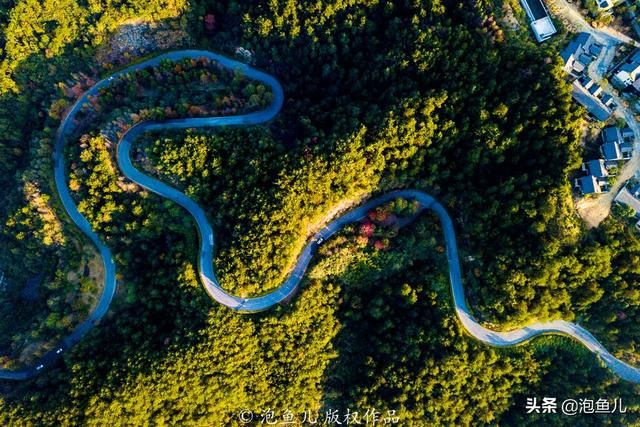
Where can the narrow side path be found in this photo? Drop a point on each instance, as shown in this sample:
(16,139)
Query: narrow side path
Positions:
(207,238)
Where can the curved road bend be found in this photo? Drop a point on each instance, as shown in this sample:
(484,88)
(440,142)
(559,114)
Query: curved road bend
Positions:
(205,259)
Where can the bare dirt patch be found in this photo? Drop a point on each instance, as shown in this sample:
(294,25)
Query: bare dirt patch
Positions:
(137,38)
(593,210)
(509,17)
(343,206)
(32,351)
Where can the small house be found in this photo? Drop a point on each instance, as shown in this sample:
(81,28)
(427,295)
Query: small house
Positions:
(626,148)
(595,90)
(596,168)
(611,152)
(608,100)
(611,134)
(588,185)
(595,49)
(627,134)
(592,104)
(579,53)
(586,81)
(627,74)
(615,147)
(541,22)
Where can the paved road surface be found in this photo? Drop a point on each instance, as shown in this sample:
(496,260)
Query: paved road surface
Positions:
(605,34)
(205,261)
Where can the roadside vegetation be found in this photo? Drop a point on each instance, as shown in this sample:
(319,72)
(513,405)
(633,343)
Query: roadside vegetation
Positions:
(379,96)
(187,88)
(46,48)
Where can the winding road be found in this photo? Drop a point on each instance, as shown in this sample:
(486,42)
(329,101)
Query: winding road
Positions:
(205,259)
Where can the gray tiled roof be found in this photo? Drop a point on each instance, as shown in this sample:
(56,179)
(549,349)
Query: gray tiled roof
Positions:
(596,168)
(586,81)
(575,47)
(594,89)
(589,184)
(611,151)
(611,134)
(593,105)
